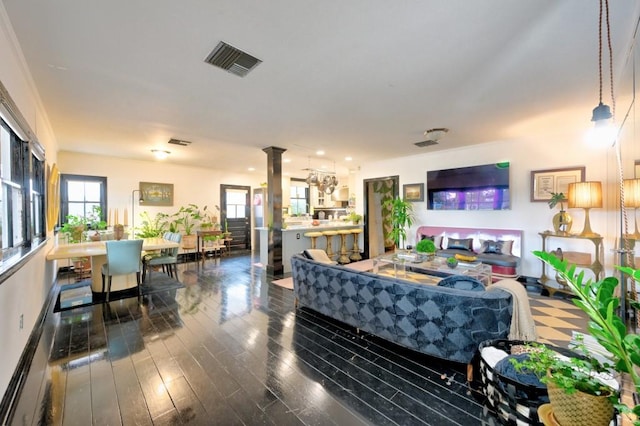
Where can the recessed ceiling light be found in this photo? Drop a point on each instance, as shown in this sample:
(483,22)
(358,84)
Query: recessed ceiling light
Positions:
(286,160)
(252,169)
(160,154)
(348,158)
(320,152)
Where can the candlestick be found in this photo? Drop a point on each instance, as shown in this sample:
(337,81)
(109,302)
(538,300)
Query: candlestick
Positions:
(116,222)
(126,217)
(109,222)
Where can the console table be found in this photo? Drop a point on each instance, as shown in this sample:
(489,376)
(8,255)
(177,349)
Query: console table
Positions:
(596,266)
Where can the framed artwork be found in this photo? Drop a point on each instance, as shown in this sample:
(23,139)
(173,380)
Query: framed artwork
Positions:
(413,192)
(544,182)
(156,194)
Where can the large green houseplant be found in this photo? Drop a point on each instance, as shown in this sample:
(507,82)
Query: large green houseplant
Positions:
(401,214)
(598,300)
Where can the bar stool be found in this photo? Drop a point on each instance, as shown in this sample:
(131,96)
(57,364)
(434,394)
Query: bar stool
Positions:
(329,235)
(355,252)
(344,253)
(313,235)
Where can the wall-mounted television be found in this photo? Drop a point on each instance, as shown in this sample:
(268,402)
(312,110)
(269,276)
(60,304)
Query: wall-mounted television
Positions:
(483,187)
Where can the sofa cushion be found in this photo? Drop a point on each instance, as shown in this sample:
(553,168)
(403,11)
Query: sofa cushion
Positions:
(499,259)
(462,282)
(460,244)
(498,247)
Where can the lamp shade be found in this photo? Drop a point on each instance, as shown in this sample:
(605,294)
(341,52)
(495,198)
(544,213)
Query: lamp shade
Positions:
(585,195)
(632,192)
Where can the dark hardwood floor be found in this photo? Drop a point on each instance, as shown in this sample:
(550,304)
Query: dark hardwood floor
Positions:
(230,349)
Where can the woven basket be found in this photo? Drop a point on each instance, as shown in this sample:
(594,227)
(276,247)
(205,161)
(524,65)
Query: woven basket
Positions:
(579,408)
(514,403)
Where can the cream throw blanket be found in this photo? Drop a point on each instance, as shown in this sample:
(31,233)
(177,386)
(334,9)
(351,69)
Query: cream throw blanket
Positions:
(523,326)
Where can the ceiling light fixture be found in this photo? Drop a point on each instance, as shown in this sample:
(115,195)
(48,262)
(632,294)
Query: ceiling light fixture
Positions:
(160,154)
(603,115)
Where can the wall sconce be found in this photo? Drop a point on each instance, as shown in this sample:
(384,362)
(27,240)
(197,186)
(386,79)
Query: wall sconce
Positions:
(585,195)
(160,154)
(632,200)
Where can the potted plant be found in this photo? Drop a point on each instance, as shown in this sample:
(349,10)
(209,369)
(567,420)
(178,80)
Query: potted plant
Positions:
(152,227)
(401,213)
(561,221)
(598,301)
(578,392)
(187,217)
(452,262)
(74,228)
(426,246)
(354,218)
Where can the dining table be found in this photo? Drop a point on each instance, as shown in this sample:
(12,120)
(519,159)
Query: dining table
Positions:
(97,252)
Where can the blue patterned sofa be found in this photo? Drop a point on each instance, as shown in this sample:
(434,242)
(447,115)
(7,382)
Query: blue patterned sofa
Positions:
(448,323)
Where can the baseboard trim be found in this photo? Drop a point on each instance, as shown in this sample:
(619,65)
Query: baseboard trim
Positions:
(16,384)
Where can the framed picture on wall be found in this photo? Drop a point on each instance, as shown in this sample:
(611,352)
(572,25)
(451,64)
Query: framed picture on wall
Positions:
(413,192)
(546,182)
(156,194)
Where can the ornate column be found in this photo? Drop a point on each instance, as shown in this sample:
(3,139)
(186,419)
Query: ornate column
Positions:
(273,208)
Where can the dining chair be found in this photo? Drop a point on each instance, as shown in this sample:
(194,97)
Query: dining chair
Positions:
(123,258)
(167,258)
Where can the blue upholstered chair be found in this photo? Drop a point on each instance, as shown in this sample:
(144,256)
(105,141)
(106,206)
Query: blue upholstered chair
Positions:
(462,282)
(123,258)
(168,258)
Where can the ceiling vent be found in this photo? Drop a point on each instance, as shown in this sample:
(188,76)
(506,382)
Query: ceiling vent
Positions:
(179,142)
(433,136)
(425,143)
(231,59)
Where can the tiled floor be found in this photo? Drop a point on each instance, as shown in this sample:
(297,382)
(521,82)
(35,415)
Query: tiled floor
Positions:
(229,349)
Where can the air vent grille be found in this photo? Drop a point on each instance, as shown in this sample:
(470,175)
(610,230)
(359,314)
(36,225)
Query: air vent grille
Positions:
(425,143)
(231,59)
(179,142)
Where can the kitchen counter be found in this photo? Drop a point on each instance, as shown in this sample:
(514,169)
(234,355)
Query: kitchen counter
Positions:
(294,241)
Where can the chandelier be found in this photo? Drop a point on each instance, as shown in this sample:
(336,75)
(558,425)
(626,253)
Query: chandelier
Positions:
(325,181)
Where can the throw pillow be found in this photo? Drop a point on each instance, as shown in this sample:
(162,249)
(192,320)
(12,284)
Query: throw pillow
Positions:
(318,255)
(460,243)
(497,247)
(437,240)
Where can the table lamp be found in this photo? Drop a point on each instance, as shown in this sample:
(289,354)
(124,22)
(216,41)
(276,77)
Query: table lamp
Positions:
(632,199)
(585,195)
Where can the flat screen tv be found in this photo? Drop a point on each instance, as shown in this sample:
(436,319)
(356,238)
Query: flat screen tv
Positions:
(483,187)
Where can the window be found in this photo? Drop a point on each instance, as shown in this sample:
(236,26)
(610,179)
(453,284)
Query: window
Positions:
(236,204)
(80,194)
(299,197)
(22,194)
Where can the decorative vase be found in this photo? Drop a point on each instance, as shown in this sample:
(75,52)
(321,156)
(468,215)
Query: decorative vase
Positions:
(562,222)
(579,408)
(118,232)
(95,236)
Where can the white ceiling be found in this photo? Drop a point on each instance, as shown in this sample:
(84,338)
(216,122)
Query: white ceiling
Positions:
(359,78)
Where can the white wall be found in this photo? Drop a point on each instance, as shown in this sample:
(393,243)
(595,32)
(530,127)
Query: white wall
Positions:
(561,150)
(24,293)
(191,185)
